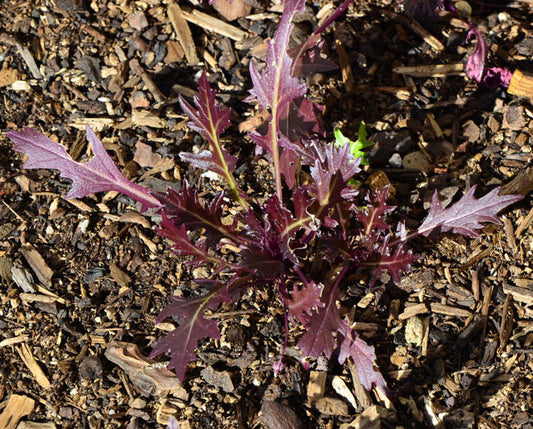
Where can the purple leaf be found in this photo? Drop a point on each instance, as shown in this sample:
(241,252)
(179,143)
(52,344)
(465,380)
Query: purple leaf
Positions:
(475,64)
(373,216)
(304,301)
(491,77)
(272,235)
(181,342)
(182,245)
(364,359)
(100,174)
(288,164)
(312,61)
(319,337)
(210,120)
(275,88)
(307,55)
(497,77)
(332,172)
(465,216)
(300,118)
(396,264)
(185,207)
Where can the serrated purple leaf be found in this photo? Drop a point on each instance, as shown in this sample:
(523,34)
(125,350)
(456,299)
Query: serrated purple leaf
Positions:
(272,235)
(185,207)
(274,88)
(304,301)
(364,359)
(100,174)
(181,342)
(332,172)
(394,262)
(466,215)
(211,119)
(319,338)
(373,215)
(182,244)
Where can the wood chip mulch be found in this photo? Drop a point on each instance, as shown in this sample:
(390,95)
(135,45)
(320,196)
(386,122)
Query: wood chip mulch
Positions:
(82,281)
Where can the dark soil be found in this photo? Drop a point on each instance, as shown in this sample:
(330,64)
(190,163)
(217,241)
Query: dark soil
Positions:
(83,281)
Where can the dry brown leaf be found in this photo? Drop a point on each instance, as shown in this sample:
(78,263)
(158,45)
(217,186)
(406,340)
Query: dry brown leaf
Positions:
(149,377)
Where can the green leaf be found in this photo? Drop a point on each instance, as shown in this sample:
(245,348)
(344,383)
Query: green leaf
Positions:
(356,147)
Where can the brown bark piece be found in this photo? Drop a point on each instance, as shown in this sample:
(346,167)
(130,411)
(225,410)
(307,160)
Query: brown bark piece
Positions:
(432,70)
(507,323)
(148,377)
(183,33)
(152,87)
(361,394)
(36,425)
(332,407)
(27,357)
(342,389)
(8,76)
(317,385)
(520,294)
(372,417)
(521,184)
(232,10)
(275,415)
(346,68)
(220,379)
(145,118)
(206,21)
(175,52)
(412,311)
(17,407)
(118,275)
(521,84)
(437,307)
(525,223)
(37,263)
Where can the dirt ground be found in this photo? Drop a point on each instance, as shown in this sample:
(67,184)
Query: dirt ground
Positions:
(82,281)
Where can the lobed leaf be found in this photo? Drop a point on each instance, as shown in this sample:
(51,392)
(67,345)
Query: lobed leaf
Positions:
(364,359)
(181,342)
(465,216)
(274,88)
(331,171)
(373,215)
(185,207)
(319,337)
(210,119)
(182,244)
(395,262)
(100,174)
(304,301)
